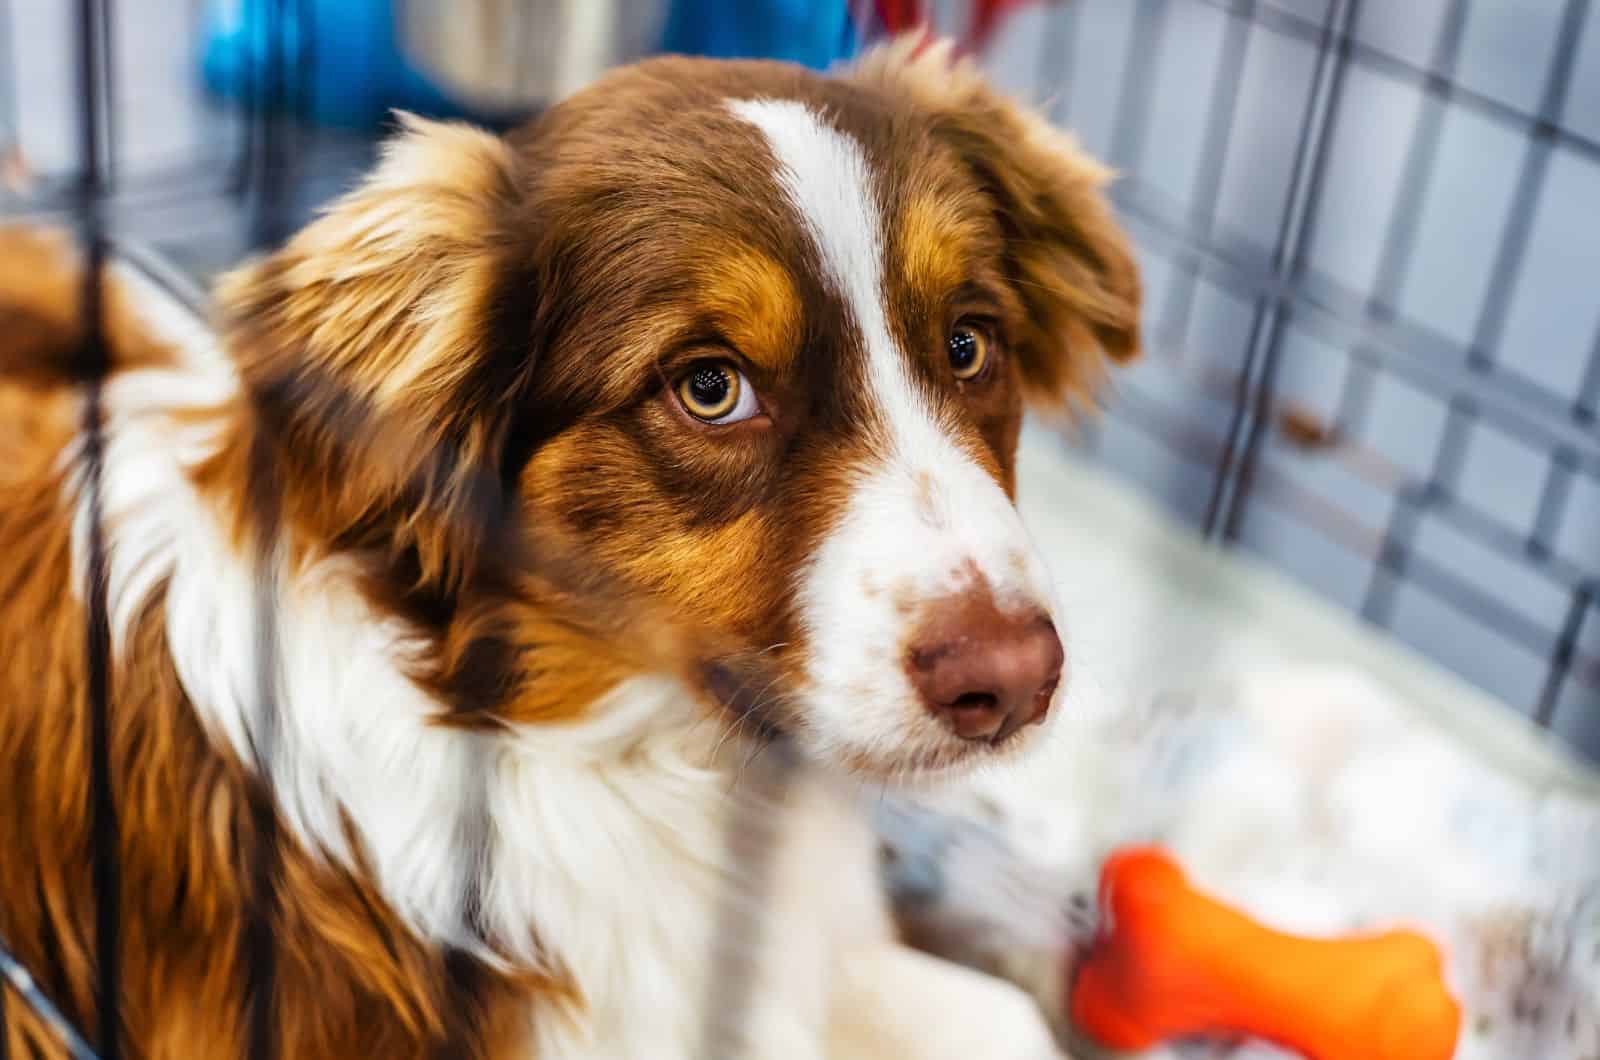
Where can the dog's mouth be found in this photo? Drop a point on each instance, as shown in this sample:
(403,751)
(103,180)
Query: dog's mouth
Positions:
(932,765)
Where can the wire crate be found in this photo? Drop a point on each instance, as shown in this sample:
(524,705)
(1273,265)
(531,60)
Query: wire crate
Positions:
(1370,236)
(1372,259)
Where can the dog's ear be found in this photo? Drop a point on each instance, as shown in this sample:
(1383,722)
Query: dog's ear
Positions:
(1068,259)
(383,349)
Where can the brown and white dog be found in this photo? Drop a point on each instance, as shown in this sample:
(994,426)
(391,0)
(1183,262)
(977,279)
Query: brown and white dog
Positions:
(749,348)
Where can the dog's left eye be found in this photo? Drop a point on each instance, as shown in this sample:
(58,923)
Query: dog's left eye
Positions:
(968,347)
(717,392)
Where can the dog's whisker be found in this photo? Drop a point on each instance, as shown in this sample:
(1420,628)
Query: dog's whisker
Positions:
(728,731)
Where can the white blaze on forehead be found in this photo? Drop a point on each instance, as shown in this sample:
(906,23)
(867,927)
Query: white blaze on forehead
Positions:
(825,176)
(924,517)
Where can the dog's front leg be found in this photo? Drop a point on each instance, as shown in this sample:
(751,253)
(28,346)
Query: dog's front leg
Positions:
(893,1001)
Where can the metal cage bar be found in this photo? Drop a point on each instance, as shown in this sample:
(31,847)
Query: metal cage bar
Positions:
(1265,345)
(94,141)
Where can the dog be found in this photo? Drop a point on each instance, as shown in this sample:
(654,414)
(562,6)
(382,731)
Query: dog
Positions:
(549,479)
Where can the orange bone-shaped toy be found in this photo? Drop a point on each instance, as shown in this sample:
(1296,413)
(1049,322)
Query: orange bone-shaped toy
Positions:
(1171,962)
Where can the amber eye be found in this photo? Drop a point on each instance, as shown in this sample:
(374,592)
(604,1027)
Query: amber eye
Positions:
(717,393)
(969,352)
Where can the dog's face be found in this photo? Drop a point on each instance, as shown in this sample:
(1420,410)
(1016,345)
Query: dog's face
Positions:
(753,340)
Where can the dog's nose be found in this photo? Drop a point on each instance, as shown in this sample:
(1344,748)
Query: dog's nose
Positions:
(983,672)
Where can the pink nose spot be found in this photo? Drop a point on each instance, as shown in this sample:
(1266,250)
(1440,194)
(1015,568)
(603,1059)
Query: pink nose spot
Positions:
(983,672)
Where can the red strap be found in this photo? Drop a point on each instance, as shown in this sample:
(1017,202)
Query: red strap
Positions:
(897,16)
(900,15)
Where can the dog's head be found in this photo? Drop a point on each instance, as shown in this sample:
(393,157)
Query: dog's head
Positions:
(755,341)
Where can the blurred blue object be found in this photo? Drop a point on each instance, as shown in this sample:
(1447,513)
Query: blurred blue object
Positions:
(342,58)
(816,33)
(341,63)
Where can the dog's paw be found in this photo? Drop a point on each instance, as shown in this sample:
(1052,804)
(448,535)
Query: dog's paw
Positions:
(894,1001)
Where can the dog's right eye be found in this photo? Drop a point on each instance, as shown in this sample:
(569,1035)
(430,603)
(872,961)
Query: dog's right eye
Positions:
(718,393)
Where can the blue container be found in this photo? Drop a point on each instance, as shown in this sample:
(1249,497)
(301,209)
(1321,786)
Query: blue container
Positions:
(346,67)
(815,33)
(343,55)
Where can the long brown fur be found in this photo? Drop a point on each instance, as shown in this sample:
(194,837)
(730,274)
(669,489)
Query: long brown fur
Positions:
(351,981)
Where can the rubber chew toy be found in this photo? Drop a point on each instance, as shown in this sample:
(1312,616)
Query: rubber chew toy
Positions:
(1171,962)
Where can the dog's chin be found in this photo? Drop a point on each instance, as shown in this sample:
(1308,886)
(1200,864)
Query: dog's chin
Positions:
(921,760)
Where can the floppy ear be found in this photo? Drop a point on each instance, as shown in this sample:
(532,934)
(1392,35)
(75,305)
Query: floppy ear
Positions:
(384,347)
(1068,259)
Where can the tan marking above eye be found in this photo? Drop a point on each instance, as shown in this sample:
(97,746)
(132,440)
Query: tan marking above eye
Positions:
(751,301)
(937,243)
